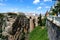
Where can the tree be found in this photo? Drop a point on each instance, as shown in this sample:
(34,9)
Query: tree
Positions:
(40,20)
(56,8)
(44,21)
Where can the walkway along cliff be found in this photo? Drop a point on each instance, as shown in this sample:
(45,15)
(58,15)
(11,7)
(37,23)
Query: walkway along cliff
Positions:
(53,26)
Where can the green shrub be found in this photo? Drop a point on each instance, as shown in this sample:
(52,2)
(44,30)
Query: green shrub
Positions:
(44,21)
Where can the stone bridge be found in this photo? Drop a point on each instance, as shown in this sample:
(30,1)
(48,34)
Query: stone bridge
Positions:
(53,26)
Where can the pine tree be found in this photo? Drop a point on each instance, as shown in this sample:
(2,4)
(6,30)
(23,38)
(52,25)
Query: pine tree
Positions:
(56,8)
(40,20)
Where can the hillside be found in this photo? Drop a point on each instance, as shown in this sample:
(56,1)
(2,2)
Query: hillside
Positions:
(39,33)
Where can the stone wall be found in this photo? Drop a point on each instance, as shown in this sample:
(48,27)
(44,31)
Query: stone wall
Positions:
(53,29)
(20,28)
(33,22)
(17,27)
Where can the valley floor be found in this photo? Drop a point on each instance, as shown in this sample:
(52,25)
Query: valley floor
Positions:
(39,33)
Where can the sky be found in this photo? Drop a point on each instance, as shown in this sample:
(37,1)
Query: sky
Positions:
(26,6)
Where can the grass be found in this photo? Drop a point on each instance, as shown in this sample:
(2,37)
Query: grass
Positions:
(39,33)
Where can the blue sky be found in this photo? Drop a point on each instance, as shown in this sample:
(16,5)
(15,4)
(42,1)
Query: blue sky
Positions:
(34,6)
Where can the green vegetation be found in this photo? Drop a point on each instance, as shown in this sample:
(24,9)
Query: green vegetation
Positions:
(1,16)
(55,9)
(39,33)
(40,20)
(44,21)
(13,14)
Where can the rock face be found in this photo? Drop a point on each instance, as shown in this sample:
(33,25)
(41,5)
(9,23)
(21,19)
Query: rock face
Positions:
(33,22)
(17,27)
(20,28)
(53,28)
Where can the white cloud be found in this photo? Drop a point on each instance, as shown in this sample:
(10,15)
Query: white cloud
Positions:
(47,0)
(5,9)
(36,1)
(47,7)
(2,4)
(42,4)
(13,9)
(39,8)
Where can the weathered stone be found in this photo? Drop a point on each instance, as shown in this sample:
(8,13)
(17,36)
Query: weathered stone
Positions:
(53,28)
